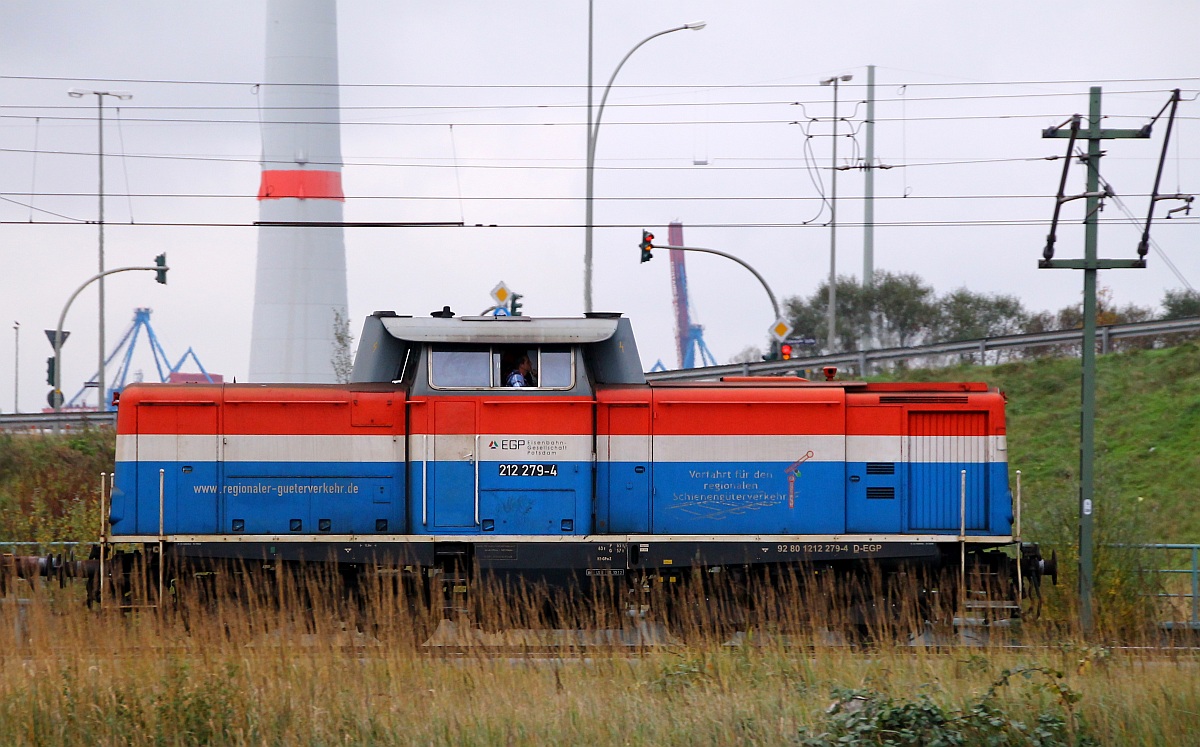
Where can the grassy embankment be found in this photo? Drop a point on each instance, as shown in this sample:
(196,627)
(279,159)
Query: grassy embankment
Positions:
(50,485)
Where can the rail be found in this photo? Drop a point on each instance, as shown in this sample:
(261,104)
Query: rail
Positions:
(862,359)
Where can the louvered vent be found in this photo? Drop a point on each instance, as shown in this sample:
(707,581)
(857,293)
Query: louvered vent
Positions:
(881,493)
(917,399)
(881,468)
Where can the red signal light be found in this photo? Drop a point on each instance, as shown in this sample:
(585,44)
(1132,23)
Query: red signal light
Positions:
(785,352)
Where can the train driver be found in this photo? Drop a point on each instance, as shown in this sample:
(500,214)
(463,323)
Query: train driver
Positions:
(522,375)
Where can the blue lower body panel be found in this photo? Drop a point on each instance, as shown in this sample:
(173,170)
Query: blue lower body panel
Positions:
(258,498)
(749,498)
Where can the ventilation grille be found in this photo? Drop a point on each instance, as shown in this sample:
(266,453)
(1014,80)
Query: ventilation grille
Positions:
(881,468)
(919,399)
(881,493)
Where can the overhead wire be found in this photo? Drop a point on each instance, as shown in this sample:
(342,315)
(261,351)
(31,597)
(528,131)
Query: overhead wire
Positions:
(33,222)
(563,123)
(124,161)
(546,106)
(1016,222)
(1162,254)
(565,198)
(457,179)
(33,169)
(566,167)
(579,86)
(809,161)
(814,174)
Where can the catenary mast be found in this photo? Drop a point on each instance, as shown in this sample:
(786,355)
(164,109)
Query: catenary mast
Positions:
(301,272)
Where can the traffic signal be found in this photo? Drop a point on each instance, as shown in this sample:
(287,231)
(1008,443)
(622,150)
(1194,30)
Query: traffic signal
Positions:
(50,370)
(785,351)
(160,275)
(514,306)
(647,244)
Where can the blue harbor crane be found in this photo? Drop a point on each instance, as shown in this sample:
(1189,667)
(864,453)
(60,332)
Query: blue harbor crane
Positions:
(124,350)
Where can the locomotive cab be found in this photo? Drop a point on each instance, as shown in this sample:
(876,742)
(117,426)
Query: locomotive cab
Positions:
(487,455)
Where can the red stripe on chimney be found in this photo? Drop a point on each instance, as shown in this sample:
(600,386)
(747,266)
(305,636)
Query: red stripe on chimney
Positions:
(304,185)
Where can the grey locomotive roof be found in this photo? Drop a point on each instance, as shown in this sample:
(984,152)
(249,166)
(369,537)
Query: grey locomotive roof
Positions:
(489,329)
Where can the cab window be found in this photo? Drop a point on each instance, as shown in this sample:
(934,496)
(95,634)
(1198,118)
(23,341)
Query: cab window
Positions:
(554,367)
(501,367)
(460,368)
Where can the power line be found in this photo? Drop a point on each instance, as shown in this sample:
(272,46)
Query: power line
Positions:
(1041,222)
(556,198)
(567,106)
(564,167)
(563,123)
(31,221)
(575,86)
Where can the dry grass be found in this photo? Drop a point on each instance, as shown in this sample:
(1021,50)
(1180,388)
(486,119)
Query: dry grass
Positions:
(281,664)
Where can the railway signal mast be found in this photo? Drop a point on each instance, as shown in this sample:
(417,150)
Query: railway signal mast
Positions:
(1073,130)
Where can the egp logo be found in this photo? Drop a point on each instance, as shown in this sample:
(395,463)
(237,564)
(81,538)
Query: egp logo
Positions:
(507,444)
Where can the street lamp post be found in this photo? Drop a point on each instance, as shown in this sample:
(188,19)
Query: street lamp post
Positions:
(833,214)
(122,96)
(593,131)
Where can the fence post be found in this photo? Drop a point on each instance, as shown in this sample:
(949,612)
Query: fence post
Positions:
(1196,586)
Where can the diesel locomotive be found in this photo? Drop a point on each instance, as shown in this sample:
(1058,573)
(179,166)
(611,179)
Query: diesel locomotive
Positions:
(429,463)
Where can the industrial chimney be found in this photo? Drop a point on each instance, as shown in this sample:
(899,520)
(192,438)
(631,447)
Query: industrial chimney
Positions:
(300,282)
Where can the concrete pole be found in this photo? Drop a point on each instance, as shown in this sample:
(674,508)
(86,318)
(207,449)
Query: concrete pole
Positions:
(869,186)
(832,333)
(100,382)
(1087,415)
(16,367)
(832,312)
(587,231)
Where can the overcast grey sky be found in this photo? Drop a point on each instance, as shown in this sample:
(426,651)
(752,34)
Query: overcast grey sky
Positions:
(475,112)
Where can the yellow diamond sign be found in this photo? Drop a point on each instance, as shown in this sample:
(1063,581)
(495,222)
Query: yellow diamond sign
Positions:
(780,330)
(501,293)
